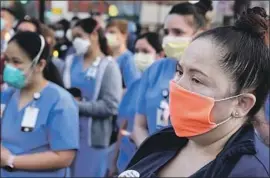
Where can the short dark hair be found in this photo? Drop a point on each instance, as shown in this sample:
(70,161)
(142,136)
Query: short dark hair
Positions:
(10,11)
(198,10)
(31,20)
(153,39)
(247,57)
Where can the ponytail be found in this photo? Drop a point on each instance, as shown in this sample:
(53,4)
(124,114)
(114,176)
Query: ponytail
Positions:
(52,74)
(89,25)
(103,43)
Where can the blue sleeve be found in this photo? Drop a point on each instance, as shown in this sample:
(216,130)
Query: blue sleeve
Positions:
(141,101)
(123,106)
(64,125)
(267,109)
(6,95)
(130,72)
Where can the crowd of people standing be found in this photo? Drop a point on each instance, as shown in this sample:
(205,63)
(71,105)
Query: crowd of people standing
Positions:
(77,100)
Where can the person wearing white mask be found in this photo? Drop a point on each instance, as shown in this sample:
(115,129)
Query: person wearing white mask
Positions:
(116,34)
(148,49)
(62,42)
(98,78)
(68,36)
(184,21)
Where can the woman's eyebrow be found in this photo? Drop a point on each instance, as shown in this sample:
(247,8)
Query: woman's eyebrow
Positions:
(194,70)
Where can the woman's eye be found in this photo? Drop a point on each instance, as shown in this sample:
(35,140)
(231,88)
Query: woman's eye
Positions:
(179,72)
(178,32)
(166,32)
(196,81)
(145,51)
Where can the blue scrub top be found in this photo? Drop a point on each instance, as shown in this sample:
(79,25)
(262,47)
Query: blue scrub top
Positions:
(80,80)
(154,82)
(128,68)
(56,129)
(267,108)
(127,110)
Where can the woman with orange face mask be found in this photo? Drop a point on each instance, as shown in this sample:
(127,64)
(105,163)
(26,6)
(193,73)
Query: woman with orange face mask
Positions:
(184,22)
(222,81)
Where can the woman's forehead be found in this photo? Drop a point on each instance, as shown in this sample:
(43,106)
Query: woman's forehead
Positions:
(14,50)
(143,44)
(204,55)
(77,30)
(174,21)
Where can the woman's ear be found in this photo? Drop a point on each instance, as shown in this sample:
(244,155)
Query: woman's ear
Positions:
(41,65)
(49,40)
(245,104)
(161,55)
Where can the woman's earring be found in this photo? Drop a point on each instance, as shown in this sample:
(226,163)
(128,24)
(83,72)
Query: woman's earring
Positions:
(236,114)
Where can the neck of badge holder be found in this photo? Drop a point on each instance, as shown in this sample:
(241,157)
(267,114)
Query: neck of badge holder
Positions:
(163,103)
(162,119)
(92,70)
(30,115)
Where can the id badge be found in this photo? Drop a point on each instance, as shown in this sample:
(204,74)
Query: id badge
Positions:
(162,119)
(3,107)
(29,119)
(91,73)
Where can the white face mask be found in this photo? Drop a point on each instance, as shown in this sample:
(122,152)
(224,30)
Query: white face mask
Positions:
(81,45)
(112,40)
(69,35)
(174,47)
(143,61)
(59,33)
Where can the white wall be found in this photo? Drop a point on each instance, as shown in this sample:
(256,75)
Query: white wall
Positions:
(152,13)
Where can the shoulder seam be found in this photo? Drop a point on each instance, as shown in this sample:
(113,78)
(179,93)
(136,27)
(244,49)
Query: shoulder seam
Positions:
(262,165)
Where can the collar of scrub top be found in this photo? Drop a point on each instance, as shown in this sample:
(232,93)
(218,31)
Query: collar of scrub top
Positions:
(92,70)
(36,97)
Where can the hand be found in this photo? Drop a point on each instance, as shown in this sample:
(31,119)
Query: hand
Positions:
(113,171)
(5,155)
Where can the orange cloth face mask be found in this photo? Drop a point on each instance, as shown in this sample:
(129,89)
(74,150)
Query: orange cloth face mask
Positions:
(190,113)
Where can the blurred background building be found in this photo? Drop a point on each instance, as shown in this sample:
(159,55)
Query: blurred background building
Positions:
(150,14)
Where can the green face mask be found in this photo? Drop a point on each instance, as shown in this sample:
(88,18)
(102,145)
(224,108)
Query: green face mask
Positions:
(15,77)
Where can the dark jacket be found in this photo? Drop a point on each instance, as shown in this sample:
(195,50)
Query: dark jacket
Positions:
(244,155)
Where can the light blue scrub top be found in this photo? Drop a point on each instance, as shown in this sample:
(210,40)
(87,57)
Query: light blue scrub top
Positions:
(128,68)
(267,108)
(127,110)
(80,80)
(57,127)
(154,82)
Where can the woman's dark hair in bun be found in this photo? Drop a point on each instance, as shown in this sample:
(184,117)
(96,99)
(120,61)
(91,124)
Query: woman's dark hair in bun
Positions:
(254,21)
(204,6)
(198,11)
(245,53)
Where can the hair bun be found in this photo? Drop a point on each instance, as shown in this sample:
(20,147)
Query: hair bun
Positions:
(254,21)
(204,6)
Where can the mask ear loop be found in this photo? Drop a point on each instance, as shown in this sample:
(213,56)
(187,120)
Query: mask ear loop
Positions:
(35,60)
(232,97)
(236,114)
